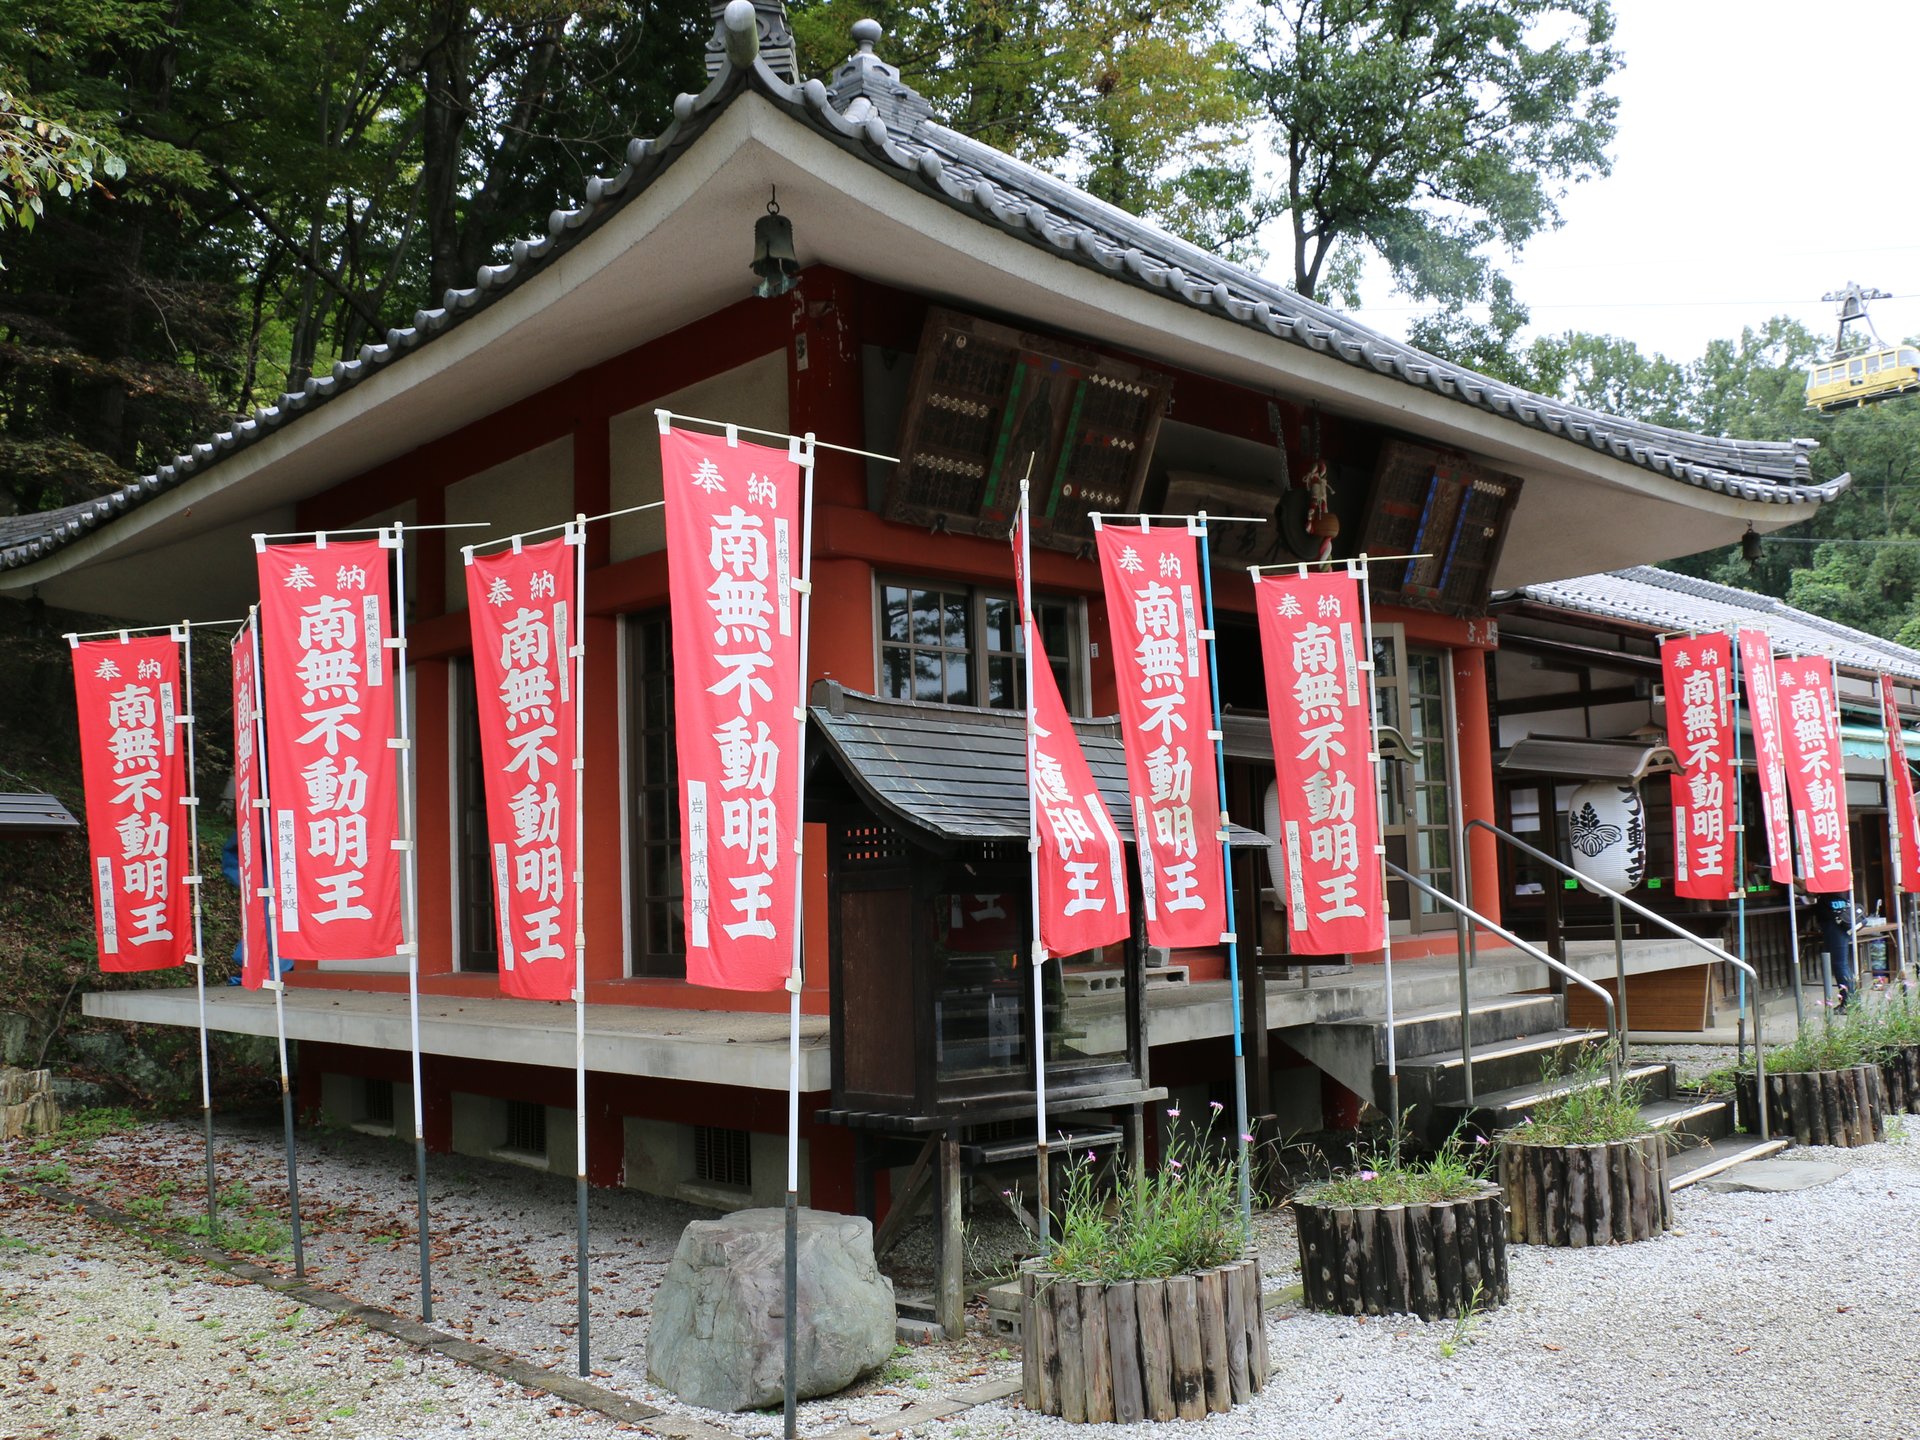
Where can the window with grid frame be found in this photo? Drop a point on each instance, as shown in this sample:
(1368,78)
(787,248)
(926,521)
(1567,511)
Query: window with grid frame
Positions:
(526,1128)
(479,926)
(944,644)
(722,1157)
(653,813)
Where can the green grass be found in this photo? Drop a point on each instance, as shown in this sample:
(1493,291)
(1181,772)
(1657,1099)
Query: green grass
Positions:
(1591,1111)
(80,1130)
(1385,1174)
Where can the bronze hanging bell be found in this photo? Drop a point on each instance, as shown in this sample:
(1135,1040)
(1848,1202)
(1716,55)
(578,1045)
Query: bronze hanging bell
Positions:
(773,258)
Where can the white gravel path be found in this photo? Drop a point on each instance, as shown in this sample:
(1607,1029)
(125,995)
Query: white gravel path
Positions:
(1791,1315)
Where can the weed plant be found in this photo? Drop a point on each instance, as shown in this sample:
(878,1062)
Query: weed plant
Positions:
(1386,1174)
(1183,1218)
(1590,1110)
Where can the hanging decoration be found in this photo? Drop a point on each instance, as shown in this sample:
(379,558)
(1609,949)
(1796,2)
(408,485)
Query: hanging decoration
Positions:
(1697,674)
(134,769)
(1152,578)
(1769,753)
(1607,827)
(255,966)
(1312,640)
(325,623)
(526,635)
(1816,773)
(734,531)
(1900,789)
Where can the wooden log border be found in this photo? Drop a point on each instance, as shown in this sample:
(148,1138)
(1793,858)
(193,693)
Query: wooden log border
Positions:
(1900,1078)
(1843,1108)
(1604,1194)
(1421,1259)
(1132,1350)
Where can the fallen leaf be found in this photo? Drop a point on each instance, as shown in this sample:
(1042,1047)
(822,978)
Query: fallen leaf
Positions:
(1546,1345)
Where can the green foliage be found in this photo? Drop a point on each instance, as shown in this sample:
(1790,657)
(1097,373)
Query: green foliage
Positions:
(1868,1033)
(1385,1173)
(1467,1322)
(1183,1218)
(39,156)
(1427,131)
(82,1128)
(1592,1110)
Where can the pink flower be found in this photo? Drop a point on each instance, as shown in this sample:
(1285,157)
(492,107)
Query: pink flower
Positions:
(1089,1157)
(1173,1112)
(1245,1138)
(1481,1140)
(1215,1106)
(1175,1164)
(1369,1174)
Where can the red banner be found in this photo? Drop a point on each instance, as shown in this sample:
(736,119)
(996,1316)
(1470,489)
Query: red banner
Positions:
(1154,613)
(325,615)
(246,815)
(1312,641)
(1899,788)
(1769,753)
(526,628)
(733,542)
(1083,867)
(1816,772)
(138,833)
(1697,673)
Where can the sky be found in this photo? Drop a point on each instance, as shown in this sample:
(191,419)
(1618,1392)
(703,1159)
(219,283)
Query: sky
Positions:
(1767,153)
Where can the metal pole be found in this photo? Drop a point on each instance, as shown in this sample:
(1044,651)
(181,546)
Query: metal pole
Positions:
(800,450)
(1793,951)
(1740,861)
(186,721)
(1462,879)
(410,900)
(273,981)
(1620,973)
(1244,1132)
(1380,809)
(577,536)
(1043,1162)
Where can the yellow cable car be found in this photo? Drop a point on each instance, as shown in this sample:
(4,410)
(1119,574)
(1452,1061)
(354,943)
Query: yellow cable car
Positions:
(1863,378)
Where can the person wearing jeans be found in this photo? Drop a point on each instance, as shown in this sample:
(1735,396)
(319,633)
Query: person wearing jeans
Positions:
(1834,915)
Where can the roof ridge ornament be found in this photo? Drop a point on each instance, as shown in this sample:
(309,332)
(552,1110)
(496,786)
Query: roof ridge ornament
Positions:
(775,35)
(864,86)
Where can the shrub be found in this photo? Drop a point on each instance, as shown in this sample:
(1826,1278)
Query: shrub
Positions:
(1591,1110)
(1384,1174)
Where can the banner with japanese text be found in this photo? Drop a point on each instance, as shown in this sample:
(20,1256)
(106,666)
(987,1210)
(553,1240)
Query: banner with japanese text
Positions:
(254,967)
(525,625)
(327,673)
(1154,613)
(1763,712)
(1312,641)
(733,540)
(134,766)
(1082,861)
(1816,772)
(1900,786)
(1697,673)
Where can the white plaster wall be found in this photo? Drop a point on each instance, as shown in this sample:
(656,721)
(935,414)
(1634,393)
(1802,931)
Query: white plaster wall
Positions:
(529,491)
(751,394)
(659,1161)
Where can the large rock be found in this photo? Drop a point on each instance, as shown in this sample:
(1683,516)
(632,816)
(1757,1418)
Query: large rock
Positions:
(718,1331)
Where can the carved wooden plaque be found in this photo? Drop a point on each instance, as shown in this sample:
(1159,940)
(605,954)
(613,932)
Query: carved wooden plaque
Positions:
(989,404)
(1447,509)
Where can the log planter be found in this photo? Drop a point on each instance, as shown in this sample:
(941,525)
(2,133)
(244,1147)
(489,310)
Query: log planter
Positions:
(1601,1194)
(1433,1260)
(1132,1350)
(1844,1108)
(1900,1079)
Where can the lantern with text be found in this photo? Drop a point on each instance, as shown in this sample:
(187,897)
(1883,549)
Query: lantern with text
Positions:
(1152,577)
(733,540)
(134,768)
(1312,642)
(325,619)
(1816,774)
(526,634)
(1697,673)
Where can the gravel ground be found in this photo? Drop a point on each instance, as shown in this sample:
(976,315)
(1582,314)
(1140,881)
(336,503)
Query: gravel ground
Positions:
(101,1336)
(1740,1324)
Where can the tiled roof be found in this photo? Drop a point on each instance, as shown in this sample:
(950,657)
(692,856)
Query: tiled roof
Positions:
(870,114)
(1662,600)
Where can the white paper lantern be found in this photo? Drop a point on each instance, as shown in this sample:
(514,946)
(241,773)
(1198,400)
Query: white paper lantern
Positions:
(1276,842)
(1607,825)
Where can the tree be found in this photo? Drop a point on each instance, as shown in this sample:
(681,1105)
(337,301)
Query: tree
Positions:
(1145,103)
(38,155)
(1425,131)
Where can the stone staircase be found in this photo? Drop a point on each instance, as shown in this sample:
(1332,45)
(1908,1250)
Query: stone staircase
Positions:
(1516,1041)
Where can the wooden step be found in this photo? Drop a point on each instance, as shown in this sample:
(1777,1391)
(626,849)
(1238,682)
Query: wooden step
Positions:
(1705,1118)
(1696,1163)
(1509,1107)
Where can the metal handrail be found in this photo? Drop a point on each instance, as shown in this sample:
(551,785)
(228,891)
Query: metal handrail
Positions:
(1621,902)
(1474,917)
